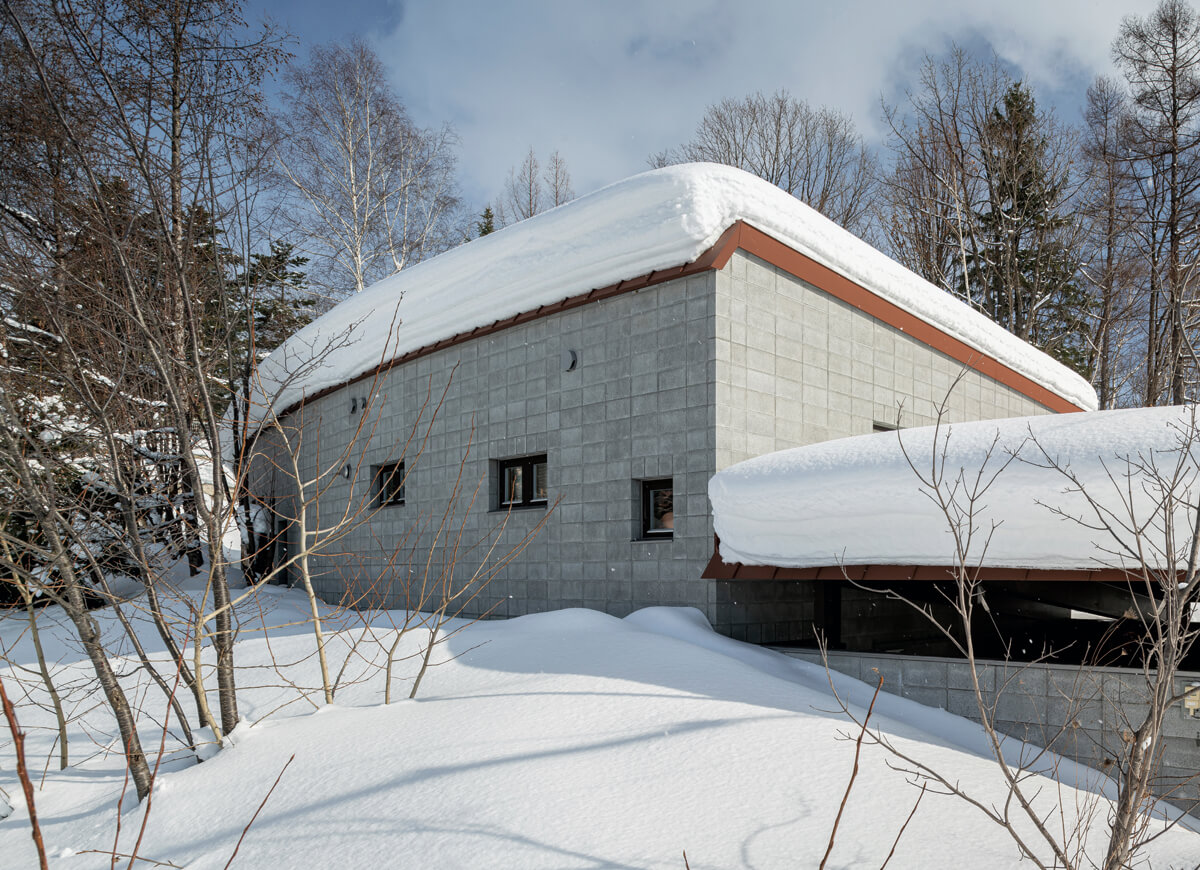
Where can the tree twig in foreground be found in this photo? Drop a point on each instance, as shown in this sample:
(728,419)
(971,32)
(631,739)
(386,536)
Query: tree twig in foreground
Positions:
(10,714)
(246,829)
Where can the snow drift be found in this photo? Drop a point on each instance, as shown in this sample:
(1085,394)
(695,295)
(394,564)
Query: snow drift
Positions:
(570,739)
(858,501)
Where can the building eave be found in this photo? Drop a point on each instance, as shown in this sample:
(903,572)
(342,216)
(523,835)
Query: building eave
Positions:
(742,236)
(718,569)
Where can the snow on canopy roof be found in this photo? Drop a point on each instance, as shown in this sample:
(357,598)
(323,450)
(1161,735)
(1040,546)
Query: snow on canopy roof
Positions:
(657,220)
(857,501)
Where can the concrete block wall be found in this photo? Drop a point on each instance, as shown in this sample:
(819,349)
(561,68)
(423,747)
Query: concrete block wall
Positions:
(1080,713)
(677,380)
(797,366)
(638,405)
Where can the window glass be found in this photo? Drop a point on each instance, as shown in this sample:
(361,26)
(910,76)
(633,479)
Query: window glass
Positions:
(522,482)
(389,484)
(662,510)
(512,484)
(539,481)
(658,508)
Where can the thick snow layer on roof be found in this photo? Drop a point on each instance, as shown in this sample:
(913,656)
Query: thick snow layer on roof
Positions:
(858,501)
(656,220)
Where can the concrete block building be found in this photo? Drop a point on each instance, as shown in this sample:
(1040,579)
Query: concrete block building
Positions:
(591,369)
(1076,562)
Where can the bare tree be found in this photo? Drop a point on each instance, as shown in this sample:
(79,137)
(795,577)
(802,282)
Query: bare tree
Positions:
(522,197)
(375,192)
(133,338)
(558,181)
(1159,56)
(979,202)
(25,587)
(1146,512)
(529,190)
(1112,264)
(815,154)
(10,715)
(923,227)
(1141,510)
(28,472)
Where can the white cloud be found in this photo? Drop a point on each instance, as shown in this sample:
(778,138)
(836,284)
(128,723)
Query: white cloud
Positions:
(610,83)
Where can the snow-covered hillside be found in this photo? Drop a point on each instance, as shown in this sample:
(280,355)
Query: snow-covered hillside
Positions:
(568,739)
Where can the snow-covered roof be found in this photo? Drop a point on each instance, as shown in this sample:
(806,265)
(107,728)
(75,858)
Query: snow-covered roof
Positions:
(653,221)
(858,501)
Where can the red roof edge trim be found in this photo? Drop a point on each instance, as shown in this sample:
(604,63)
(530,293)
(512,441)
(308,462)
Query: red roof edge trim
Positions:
(741,235)
(778,254)
(718,569)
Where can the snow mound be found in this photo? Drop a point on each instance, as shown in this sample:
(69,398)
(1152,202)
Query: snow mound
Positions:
(858,501)
(561,740)
(657,220)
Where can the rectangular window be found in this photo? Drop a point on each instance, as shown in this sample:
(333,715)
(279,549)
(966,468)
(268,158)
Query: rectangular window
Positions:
(388,484)
(522,482)
(658,508)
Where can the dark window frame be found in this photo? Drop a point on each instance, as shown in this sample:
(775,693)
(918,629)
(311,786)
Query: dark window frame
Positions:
(527,467)
(647,490)
(388,482)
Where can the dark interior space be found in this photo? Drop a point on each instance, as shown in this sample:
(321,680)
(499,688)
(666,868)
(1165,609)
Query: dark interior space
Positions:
(1062,622)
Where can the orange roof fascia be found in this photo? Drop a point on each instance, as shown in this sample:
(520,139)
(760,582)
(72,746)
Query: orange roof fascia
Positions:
(775,252)
(718,569)
(741,235)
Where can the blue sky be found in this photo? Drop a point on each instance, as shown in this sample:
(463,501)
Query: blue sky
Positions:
(609,83)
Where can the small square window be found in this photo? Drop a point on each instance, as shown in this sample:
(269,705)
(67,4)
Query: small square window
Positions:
(388,483)
(522,482)
(658,508)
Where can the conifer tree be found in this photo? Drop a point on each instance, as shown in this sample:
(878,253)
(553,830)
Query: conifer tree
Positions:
(1022,274)
(979,202)
(486,225)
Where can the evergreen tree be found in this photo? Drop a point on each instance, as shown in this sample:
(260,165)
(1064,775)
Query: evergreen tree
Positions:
(279,301)
(1023,275)
(486,225)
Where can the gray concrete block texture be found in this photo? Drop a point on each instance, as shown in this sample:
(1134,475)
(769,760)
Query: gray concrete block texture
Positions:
(674,381)
(638,405)
(797,366)
(1084,714)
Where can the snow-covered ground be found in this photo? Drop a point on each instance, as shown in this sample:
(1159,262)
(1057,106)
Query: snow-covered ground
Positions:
(568,739)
